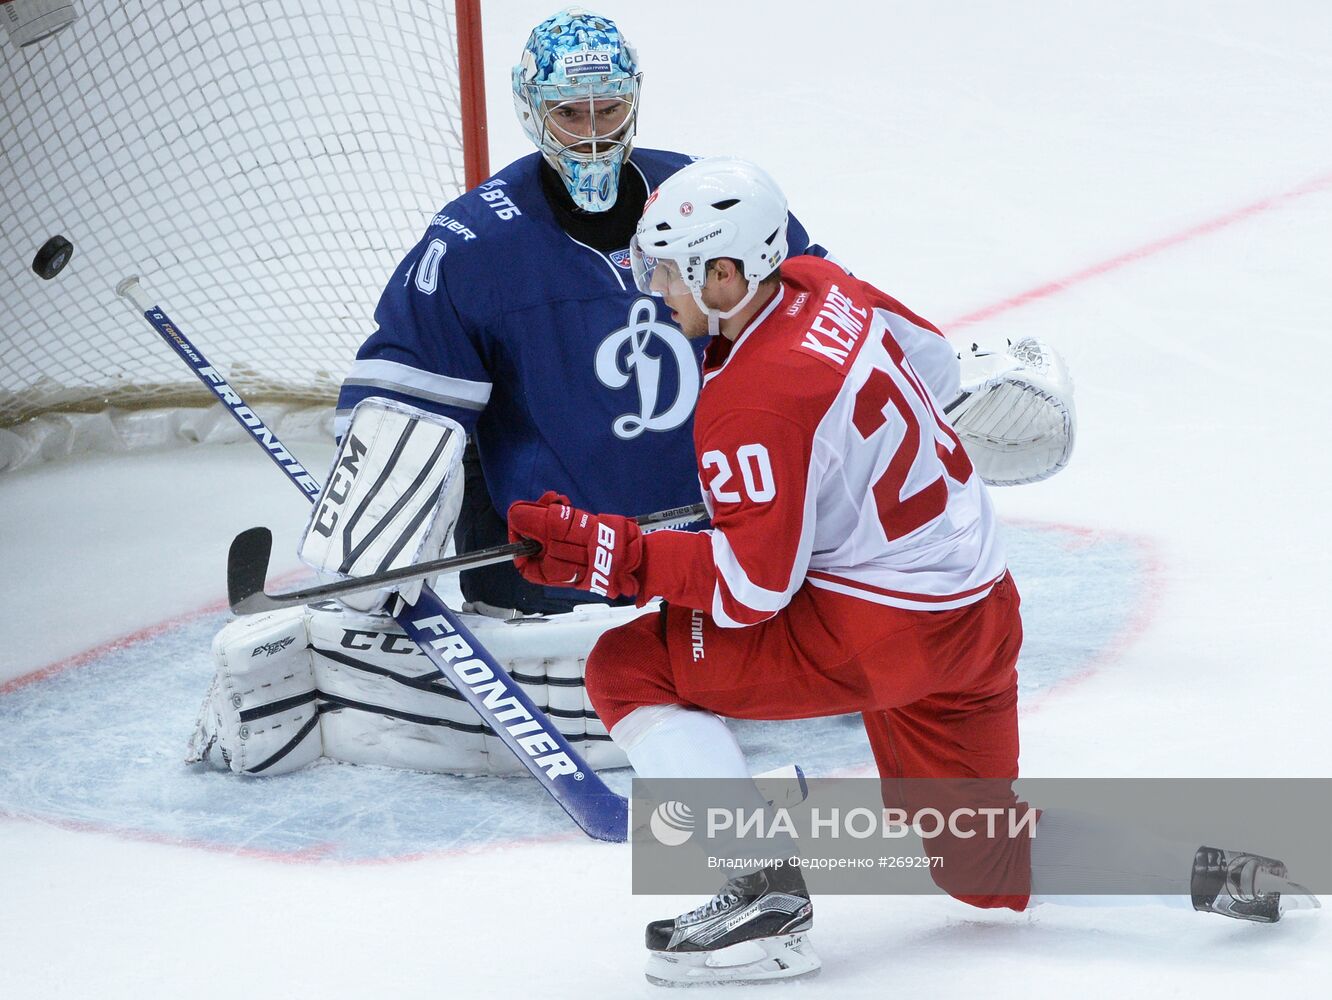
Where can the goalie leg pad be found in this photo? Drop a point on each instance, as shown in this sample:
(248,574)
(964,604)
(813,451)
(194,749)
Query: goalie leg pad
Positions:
(379,700)
(384,702)
(261,713)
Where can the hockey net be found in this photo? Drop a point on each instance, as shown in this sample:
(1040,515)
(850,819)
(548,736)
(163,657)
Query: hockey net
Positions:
(262,164)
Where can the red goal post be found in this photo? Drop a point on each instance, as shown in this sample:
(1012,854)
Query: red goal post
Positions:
(262,164)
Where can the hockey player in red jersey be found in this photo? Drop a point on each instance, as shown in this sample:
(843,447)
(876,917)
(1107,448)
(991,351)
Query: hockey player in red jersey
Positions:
(853,563)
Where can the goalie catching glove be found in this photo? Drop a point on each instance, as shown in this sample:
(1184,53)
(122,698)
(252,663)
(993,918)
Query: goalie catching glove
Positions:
(595,552)
(391,499)
(1015,414)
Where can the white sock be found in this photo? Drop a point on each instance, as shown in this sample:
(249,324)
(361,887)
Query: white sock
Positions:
(671,741)
(1089,853)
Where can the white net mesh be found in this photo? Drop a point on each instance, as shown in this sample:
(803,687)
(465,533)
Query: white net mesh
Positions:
(263,164)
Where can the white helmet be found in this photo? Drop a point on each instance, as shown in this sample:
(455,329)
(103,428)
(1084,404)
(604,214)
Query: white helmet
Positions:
(718,207)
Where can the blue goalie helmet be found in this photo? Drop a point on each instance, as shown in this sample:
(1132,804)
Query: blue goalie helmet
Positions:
(576,93)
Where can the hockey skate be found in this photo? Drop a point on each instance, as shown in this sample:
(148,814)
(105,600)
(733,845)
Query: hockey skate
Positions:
(755,929)
(1245,886)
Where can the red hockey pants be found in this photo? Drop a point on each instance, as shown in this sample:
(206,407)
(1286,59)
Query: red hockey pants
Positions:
(937,691)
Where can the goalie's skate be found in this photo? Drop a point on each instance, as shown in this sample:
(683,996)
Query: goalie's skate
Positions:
(755,929)
(1245,886)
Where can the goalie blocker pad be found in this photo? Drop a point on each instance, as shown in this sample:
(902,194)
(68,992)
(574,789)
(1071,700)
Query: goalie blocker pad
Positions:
(1015,416)
(376,699)
(391,499)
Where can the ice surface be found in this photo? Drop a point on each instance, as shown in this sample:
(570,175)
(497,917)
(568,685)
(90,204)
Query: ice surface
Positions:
(99,745)
(959,155)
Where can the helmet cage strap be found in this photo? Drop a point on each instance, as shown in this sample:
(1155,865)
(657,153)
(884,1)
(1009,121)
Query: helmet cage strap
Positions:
(715,316)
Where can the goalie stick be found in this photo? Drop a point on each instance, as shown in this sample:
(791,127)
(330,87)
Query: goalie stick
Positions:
(247,566)
(446,641)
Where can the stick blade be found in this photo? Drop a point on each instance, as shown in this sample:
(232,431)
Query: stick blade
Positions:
(247,568)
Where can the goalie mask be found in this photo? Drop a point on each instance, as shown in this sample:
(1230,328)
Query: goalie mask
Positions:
(719,207)
(576,93)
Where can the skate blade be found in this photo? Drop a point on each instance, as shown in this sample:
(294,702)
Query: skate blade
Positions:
(761,960)
(1293,895)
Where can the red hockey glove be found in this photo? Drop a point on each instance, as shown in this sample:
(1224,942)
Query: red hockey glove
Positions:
(594,552)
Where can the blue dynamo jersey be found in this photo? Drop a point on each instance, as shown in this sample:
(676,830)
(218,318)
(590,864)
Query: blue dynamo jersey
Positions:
(541,347)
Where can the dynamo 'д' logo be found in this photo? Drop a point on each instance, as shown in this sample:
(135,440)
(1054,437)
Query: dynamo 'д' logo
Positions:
(672,823)
(636,352)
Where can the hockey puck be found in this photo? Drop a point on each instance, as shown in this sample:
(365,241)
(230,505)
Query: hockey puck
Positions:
(52,257)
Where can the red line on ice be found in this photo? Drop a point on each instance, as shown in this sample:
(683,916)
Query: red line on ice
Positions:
(125,641)
(111,646)
(323,853)
(316,852)
(1052,288)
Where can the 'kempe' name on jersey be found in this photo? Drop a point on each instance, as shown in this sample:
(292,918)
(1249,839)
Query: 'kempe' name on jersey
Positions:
(836,329)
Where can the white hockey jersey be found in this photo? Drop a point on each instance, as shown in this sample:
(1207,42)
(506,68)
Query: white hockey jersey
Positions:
(825,459)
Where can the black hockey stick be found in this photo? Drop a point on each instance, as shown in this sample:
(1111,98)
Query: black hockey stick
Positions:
(247,566)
